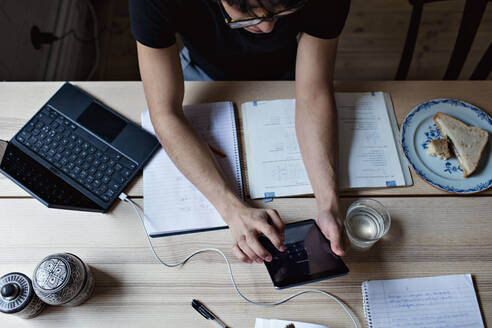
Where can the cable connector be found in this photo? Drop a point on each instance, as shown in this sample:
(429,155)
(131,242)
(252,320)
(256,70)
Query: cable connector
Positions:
(39,38)
(123,197)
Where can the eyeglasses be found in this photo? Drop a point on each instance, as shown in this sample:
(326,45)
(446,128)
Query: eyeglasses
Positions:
(240,23)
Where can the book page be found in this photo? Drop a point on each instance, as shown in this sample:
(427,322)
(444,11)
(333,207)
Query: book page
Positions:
(171,202)
(437,302)
(274,323)
(368,154)
(273,156)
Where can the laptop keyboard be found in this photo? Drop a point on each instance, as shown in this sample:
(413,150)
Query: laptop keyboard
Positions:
(42,182)
(98,168)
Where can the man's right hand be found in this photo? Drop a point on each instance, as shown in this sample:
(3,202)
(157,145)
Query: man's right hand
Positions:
(247,224)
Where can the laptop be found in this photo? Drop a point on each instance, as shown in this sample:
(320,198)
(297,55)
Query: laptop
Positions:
(76,153)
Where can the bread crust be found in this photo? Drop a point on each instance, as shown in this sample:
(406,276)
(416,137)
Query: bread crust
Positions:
(466,173)
(480,156)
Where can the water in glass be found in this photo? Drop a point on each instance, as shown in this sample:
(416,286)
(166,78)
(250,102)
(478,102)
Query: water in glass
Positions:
(365,224)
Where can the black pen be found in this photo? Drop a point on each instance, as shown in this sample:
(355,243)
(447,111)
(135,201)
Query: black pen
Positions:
(207,314)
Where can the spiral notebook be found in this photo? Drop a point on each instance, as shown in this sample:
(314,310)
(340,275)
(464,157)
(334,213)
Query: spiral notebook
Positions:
(437,302)
(172,204)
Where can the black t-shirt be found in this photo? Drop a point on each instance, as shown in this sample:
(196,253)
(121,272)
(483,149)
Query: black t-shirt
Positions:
(233,54)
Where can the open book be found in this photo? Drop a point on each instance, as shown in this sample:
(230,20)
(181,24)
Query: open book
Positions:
(368,146)
(368,157)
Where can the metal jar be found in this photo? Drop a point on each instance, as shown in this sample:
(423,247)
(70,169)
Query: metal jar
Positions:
(17,296)
(63,279)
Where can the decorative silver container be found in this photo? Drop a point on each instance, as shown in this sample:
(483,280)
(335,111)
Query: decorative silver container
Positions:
(63,279)
(17,296)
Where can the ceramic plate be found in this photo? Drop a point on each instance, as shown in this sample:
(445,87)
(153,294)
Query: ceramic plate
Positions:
(418,129)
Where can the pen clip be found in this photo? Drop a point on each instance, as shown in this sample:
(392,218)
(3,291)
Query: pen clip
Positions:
(202,310)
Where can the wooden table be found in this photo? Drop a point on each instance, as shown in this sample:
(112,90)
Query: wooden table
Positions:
(432,232)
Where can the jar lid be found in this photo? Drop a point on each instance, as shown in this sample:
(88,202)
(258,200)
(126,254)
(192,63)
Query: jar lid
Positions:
(59,278)
(16,292)
(52,274)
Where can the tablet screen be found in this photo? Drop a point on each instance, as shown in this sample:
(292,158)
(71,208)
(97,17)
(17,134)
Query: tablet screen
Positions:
(307,258)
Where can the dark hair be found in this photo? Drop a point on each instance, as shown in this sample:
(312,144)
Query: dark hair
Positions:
(269,5)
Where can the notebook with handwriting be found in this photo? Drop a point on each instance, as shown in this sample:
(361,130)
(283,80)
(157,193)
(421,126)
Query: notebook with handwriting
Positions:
(172,204)
(437,302)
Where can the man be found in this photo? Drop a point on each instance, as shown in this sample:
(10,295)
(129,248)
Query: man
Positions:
(245,40)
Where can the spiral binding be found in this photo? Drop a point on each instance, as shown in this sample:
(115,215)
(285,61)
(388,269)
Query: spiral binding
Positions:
(365,305)
(238,172)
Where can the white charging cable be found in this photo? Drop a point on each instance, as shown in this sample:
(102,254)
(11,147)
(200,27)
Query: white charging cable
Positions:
(125,198)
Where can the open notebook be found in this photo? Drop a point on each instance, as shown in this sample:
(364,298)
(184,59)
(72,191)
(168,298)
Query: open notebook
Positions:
(172,204)
(368,146)
(437,302)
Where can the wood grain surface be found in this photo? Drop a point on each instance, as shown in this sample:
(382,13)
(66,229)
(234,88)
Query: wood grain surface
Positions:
(428,236)
(432,232)
(21,100)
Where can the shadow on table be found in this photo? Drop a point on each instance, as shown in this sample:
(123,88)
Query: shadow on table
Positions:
(385,250)
(479,302)
(105,284)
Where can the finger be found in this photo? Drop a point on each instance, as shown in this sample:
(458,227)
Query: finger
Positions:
(240,254)
(279,225)
(333,232)
(277,221)
(244,247)
(257,247)
(273,234)
(336,241)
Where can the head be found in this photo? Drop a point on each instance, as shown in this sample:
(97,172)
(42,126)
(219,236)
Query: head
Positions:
(244,9)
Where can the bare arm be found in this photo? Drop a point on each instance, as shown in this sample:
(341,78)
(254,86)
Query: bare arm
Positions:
(164,89)
(316,129)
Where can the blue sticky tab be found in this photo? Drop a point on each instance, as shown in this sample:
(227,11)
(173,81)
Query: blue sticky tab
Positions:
(373,93)
(255,104)
(391,183)
(268,197)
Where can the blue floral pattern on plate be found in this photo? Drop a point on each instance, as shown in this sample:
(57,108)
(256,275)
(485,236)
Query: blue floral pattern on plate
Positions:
(450,168)
(431,134)
(419,129)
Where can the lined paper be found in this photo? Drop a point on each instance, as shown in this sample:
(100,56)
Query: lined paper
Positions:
(172,204)
(437,302)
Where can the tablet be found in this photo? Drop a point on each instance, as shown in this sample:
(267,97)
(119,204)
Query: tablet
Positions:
(307,258)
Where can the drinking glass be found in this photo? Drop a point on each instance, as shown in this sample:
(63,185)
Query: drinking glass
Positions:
(366,222)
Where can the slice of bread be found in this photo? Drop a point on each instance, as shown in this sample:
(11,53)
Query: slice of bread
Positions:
(439,148)
(468,142)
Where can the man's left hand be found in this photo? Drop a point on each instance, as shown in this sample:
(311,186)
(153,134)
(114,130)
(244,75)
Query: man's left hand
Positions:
(331,225)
